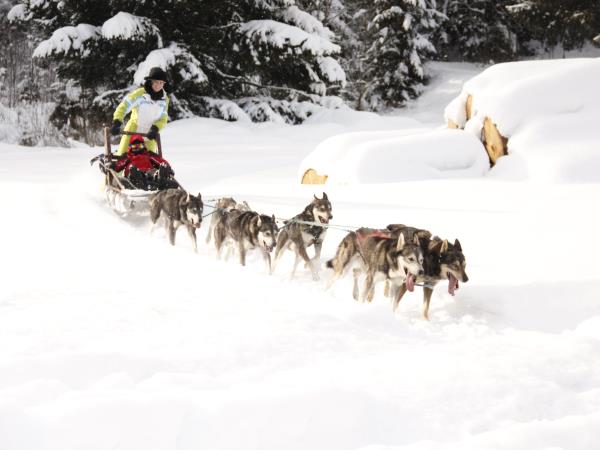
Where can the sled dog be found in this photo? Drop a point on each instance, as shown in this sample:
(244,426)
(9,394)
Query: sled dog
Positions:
(247,230)
(393,259)
(297,236)
(442,261)
(177,207)
(223,205)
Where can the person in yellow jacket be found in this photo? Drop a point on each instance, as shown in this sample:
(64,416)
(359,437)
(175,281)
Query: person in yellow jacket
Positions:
(149,106)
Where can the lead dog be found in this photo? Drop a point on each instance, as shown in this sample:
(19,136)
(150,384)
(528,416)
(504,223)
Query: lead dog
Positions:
(442,261)
(178,208)
(297,236)
(248,230)
(224,204)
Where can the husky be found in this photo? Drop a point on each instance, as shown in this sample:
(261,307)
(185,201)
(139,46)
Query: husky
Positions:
(349,254)
(223,205)
(249,230)
(442,261)
(178,208)
(298,236)
(393,259)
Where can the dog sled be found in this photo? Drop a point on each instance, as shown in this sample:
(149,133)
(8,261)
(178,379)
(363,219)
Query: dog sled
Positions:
(121,194)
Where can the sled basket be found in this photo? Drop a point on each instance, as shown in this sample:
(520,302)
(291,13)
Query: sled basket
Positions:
(121,195)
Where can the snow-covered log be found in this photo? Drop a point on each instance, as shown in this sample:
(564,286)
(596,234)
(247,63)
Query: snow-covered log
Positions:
(511,98)
(391,156)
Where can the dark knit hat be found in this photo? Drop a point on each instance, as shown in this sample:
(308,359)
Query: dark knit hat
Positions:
(156,73)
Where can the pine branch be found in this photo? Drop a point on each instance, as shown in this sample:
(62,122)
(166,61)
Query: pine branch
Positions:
(239,79)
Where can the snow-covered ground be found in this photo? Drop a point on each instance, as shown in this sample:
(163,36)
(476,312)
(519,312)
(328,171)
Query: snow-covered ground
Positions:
(112,339)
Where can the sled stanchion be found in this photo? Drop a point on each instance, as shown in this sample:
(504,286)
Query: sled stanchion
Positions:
(107,153)
(159,145)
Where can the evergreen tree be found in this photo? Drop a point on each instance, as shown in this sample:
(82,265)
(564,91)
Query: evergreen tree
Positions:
(567,24)
(265,59)
(346,18)
(399,44)
(475,30)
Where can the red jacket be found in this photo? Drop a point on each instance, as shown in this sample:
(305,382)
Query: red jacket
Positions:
(144,161)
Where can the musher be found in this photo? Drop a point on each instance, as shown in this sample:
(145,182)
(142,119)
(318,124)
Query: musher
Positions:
(149,106)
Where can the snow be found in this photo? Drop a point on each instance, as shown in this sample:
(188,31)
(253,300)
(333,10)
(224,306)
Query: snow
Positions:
(17,13)
(281,35)
(67,39)
(376,157)
(126,26)
(174,55)
(547,110)
(305,21)
(111,338)
(332,70)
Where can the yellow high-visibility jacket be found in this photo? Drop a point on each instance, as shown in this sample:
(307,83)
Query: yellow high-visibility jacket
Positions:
(145,112)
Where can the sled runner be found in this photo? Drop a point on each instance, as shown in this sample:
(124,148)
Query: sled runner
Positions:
(122,193)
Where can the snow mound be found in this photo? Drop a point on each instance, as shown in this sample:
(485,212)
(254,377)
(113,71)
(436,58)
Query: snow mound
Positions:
(547,109)
(392,156)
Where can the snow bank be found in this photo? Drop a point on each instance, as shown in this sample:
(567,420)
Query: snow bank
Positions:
(547,109)
(385,157)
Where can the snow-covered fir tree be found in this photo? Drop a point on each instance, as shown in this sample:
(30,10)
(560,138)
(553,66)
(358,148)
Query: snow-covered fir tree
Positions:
(348,20)
(244,59)
(563,24)
(399,44)
(475,30)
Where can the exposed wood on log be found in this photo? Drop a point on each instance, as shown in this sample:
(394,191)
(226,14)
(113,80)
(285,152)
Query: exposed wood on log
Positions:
(469,107)
(495,143)
(312,177)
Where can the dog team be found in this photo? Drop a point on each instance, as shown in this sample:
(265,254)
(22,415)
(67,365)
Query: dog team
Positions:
(399,255)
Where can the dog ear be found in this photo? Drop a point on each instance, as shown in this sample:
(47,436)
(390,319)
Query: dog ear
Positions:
(416,239)
(258,222)
(324,196)
(199,196)
(435,246)
(444,248)
(315,196)
(273,217)
(400,244)
(246,204)
(457,245)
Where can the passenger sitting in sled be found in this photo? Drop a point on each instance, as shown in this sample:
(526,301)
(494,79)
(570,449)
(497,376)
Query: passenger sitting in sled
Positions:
(144,169)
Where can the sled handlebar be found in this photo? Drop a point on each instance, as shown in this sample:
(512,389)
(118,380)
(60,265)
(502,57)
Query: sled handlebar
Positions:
(127,133)
(131,133)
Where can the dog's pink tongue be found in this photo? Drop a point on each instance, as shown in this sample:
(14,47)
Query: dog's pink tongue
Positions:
(452,284)
(410,282)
